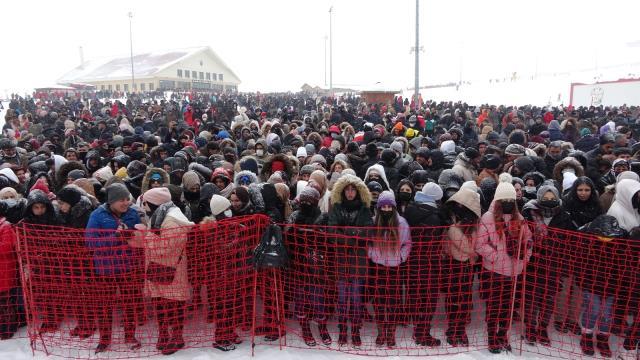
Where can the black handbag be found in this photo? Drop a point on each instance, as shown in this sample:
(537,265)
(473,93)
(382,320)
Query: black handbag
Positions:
(271,252)
(162,274)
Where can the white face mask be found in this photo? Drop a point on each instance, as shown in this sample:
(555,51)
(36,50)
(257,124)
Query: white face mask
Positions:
(228,213)
(530,189)
(260,152)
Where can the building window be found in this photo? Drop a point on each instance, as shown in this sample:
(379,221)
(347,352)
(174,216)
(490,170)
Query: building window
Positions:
(208,76)
(179,72)
(126,87)
(194,74)
(215,76)
(167,84)
(201,75)
(102,87)
(151,86)
(220,77)
(142,86)
(110,87)
(186,73)
(117,87)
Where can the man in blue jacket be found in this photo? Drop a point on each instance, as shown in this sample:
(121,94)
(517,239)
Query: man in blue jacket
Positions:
(114,262)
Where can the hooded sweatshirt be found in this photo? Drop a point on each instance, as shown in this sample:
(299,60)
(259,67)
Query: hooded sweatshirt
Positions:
(622,208)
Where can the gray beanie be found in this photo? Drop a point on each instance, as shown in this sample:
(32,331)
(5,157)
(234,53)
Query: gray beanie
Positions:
(116,192)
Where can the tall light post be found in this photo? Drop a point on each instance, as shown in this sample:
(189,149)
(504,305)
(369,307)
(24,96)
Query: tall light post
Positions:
(133,79)
(331,49)
(417,65)
(325,60)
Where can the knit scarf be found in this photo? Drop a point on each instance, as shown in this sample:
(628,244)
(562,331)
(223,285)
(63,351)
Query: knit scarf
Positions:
(227,191)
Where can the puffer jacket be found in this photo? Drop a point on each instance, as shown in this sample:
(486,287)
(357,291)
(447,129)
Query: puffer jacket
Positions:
(112,254)
(493,246)
(351,255)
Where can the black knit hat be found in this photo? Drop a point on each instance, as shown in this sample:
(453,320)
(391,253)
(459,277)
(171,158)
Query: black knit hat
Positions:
(69,195)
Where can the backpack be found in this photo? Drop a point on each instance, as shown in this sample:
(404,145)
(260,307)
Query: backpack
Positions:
(271,252)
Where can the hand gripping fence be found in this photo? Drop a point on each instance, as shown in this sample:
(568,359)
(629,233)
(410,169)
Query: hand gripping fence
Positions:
(352,290)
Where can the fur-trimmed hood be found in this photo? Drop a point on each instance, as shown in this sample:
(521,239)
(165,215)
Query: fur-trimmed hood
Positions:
(565,163)
(240,174)
(266,168)
(65,169)
(343,182)
(147,178)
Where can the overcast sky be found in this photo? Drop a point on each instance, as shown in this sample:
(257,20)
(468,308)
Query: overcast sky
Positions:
(279,45)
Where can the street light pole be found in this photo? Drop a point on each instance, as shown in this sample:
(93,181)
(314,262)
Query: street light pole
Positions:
(331,50)
(325,60)
(417,65)
(133,79)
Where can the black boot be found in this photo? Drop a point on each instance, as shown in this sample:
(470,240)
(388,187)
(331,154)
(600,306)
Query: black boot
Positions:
(586,343)
(530,335)
(503,339)
(381,339)
(630,343)
(342,338)
(307,335)
(602,343)
(573,327)
(324,333)
(543,336)
(355,336)
(163,339)
(391,336)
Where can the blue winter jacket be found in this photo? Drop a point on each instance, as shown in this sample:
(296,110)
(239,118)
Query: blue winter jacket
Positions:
(112,254)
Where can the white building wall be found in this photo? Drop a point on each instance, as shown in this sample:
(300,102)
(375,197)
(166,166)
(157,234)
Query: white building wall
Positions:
(203,62)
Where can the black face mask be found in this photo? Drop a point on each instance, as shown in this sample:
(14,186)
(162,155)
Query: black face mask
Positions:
(550,204)
(386,215)
(191,195)
(507,207)
(404,196)
(465,215)
(635,202)
(307,208)
(351,204)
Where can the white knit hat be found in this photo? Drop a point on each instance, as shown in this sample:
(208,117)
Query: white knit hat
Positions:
(302,152)
(219,204)
(505,190)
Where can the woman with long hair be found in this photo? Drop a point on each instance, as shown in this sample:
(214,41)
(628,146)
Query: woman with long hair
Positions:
(504,242)
(387,250)
(463,209)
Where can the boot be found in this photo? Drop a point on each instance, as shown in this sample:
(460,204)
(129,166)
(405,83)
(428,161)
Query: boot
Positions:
(391,336)
(543,336)
(503,340)
(381,339)
(602,343)
(630,343)
(175,344)
(586,343)
(355,336)
(493,343)
(452,337)
(224,345)
(559,326)
(103,345)
(133,343)
(324,333)
(463,339)
(425,339)
(163,339)
(530,335)
(307,335)
(342,338)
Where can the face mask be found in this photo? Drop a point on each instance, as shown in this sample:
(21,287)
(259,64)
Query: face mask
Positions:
(507,207)
(386,215)
(530,190)
(635,202)
(260,152)
(550,204)
(404,196)
(465,215)
(191,195)
(228,213)
(555,157)
(306,208)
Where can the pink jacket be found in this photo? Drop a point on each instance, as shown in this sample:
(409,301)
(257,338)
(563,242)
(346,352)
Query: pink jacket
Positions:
(493,248)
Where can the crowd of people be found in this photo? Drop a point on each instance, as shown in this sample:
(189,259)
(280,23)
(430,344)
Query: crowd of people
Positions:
(490,181)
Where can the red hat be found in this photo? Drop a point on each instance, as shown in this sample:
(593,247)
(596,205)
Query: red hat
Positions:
(40,185)
(277,165)
(334,129)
